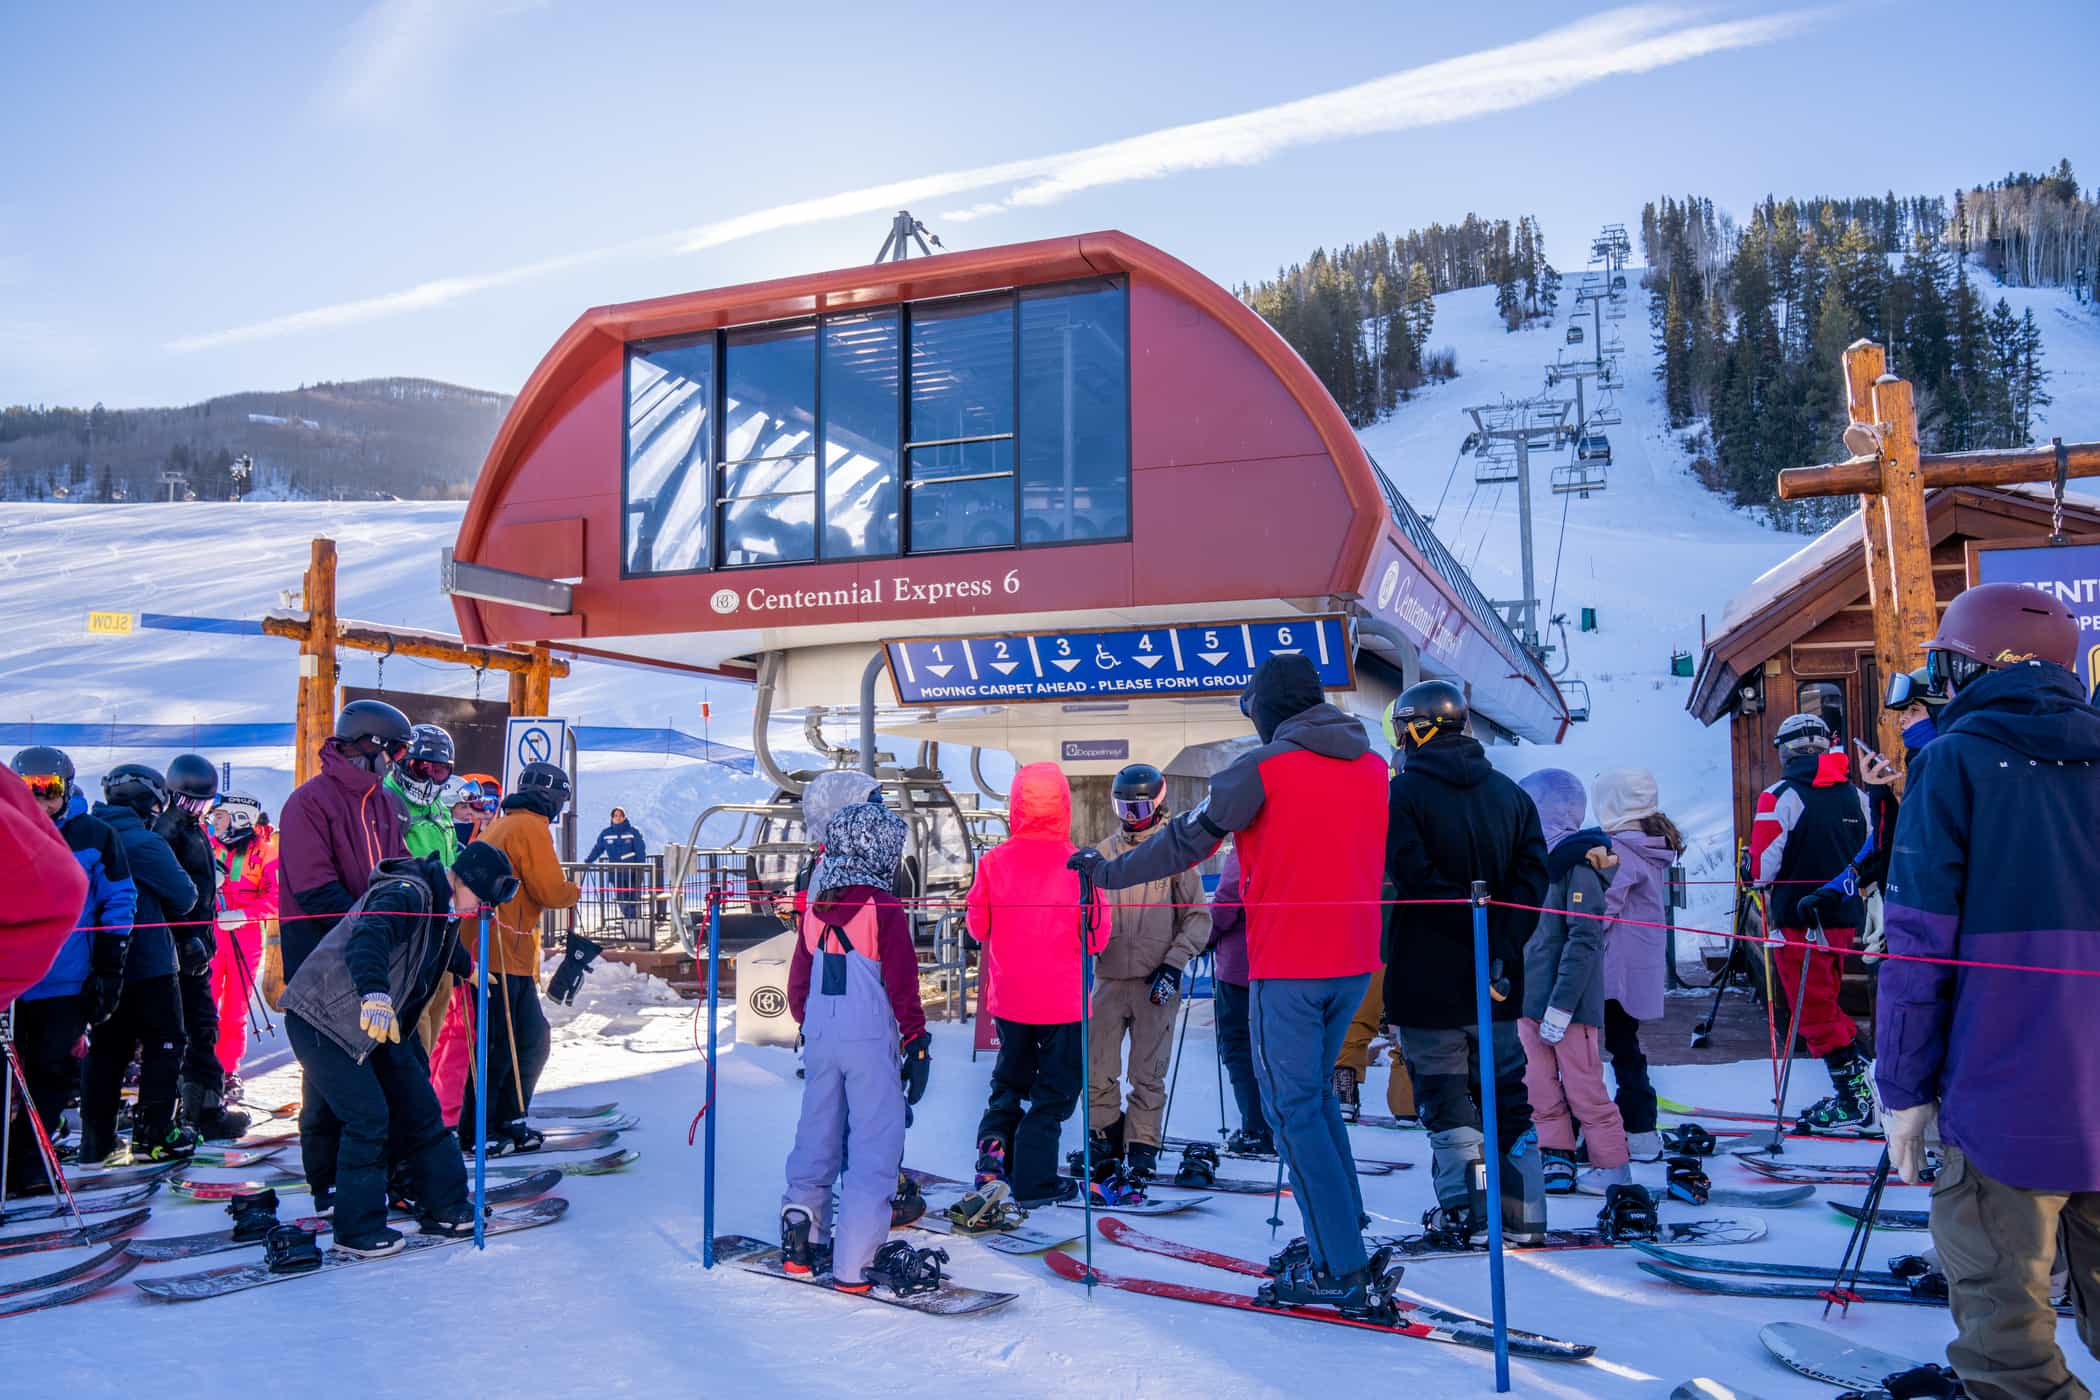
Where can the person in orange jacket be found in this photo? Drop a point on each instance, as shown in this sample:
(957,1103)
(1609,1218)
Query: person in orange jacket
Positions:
(518,1034)
(245,845)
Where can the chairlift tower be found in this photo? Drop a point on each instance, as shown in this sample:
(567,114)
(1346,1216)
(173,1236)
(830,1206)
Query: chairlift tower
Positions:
(1523,423)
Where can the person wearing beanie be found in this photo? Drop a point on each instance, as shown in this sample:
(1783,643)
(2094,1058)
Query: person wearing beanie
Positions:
(345,1012)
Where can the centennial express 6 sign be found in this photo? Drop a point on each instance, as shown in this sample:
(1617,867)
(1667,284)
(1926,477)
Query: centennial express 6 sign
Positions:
(1211,658)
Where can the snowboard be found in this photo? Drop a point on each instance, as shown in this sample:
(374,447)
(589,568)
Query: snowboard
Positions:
(571,1140)
(1758,1200)
(235,1158)
(951,1299)
(1416,1320)
(237,1278)
(46,1207)
(1886,1219)
(88,1265)
(1700,1388)
(1828,1173)
(1731,1115)
(73,1238)
(190,1190)
(573,1110)
(1736,1287)
(1726,1264)
(168,1247)
(1388,1122)
(1019,1239)
(1725,1229)
(73,1292)
(1365,1166)
(1830,1358)
(104,1178)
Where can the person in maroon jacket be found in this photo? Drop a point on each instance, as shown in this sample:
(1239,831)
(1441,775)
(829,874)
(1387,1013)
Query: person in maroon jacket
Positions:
(336,826)
(1309,805)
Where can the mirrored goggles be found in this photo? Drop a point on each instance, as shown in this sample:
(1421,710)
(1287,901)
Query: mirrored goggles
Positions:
(428,770)
(1906,689)
(45,786)
(195,806)
(1133,810)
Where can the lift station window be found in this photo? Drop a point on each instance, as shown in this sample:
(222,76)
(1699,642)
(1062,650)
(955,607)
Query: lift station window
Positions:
(1827,699)
(971,423)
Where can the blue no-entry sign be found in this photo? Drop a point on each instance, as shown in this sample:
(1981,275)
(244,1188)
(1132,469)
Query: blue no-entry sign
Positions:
(1210,658)
(533,739)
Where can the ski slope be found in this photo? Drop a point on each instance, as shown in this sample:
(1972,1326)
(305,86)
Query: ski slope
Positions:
(613,1300)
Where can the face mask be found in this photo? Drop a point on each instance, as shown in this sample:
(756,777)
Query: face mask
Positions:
(464,830)
(1919,733)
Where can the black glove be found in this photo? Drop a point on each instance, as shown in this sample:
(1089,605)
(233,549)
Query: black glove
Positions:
(100,992)
(569,976)
(918,1063)
(461,963)
(1165,983)
(1814,909)
(193,954)
(1088,862)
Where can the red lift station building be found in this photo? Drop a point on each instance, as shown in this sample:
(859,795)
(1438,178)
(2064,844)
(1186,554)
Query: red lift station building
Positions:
(1057,498)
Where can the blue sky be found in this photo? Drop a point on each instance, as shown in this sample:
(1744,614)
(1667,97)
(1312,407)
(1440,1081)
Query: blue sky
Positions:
(200,199)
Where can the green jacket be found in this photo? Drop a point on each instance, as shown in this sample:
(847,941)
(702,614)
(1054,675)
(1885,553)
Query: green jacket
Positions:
(430,831)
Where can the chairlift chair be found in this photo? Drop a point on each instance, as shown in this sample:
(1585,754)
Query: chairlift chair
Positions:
(1574,335)
(1494,468)
(1579,478)
(1577,696)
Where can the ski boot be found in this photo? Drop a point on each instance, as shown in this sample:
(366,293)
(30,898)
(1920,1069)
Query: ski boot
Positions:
(518,1137)
(1595,1181)
(908,1204)
(291,1249)
(454,1223)
(254,1214)
(1141,1161)
(1523,1193)
(1852,1110)
(1557,1171)
(991,1161)
(1690,1140)
(1245,1142)
(1455,1225)
(1199,1167)
(1345,1090)
(902,1270)
(1687,1181)
(204,1110)
(381,1242)
(799,1253)
(1107,1157)
(179,1144)
(1644,1147)
(987,1210)
(1295,1253)
(1921,1275)
(1628,1214)
(1365,1294)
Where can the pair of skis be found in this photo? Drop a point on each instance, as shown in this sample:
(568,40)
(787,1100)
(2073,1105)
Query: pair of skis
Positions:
(194,1189)
(1752,1278)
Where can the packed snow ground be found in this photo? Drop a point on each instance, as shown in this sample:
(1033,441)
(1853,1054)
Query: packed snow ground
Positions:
(614,1300)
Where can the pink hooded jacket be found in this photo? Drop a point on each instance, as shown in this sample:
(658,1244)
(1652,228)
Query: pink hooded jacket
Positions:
(1024,907)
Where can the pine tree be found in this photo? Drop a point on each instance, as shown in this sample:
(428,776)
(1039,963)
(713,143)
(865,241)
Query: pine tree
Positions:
(1965,392)
(2028,394)
(1676,348)
(2001,396)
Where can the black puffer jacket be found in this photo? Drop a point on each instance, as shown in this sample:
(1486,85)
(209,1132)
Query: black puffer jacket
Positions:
(1452,819)
(196,928)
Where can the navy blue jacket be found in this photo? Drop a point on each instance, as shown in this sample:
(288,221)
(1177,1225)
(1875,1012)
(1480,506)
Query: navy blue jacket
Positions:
(164,892)
(105,916)
(619,842)
(1994,856)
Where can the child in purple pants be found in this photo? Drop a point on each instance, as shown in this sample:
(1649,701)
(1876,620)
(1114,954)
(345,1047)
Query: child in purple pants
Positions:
(854,986)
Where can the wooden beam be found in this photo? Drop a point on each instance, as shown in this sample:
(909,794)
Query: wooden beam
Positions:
(361,636)
(1910,539)
(537,689)
(1865,362)
(2007,467)
(314,717)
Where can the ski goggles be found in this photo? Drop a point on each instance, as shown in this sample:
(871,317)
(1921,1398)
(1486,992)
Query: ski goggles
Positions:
(1906,689)
(46,786)
(196,806)
(427,770)
(1133,810)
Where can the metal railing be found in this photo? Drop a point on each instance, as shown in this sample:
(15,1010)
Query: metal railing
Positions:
(621,906)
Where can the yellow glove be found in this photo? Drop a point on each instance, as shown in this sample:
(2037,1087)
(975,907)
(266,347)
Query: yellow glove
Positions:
(375,1017)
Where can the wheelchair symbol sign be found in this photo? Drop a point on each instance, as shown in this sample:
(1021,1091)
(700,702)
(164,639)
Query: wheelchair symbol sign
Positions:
(532,739)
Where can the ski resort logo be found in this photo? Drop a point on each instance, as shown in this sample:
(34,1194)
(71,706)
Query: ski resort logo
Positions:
(769,1002)
(1388,583)
(725,600)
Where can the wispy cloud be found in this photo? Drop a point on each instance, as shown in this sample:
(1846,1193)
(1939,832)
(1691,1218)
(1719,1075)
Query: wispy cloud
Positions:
(397,47)
(1617,43)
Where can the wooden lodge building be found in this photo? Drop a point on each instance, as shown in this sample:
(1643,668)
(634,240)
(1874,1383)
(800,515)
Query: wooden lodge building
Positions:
(1802,637)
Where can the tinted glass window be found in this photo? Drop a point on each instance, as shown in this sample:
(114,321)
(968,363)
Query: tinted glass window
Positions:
(962,369)
(860,361)
(769,445)
(1825,698)
(1075,415)
(962,496)
(670,406)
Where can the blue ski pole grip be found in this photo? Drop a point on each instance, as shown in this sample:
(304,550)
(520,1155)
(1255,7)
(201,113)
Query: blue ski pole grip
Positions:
(1490,1129)
(481,1085)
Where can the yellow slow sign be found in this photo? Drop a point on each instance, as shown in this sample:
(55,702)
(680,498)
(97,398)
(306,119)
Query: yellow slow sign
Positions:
(111,624)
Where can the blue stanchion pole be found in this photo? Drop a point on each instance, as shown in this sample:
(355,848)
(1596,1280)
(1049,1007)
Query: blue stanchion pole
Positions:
(1491,1145)
(481,1086)
(1086,1068)
(714,987)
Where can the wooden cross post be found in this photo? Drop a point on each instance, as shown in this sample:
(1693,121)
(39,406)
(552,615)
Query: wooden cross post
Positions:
(1891,481)
(314,719)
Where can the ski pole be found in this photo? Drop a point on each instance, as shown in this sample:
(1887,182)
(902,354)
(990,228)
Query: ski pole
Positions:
(1087,924)
(1166,1117)
(1218,1059)
(481,1086)
(1490,1132)
(1811,938)
(714,988)
(47,1154)
(7,1109)
(1841,1288)
(254,999)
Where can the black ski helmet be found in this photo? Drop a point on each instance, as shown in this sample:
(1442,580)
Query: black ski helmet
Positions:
(427,764)
(43,761)
(1139,795)
(549,778)
(1425,710)
(193,776)
(375,720)
(136,786)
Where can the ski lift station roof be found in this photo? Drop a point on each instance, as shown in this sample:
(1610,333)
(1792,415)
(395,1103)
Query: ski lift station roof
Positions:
(1081,443)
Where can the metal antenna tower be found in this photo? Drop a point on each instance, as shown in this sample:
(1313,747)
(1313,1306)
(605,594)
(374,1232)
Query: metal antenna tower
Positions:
(905,231)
